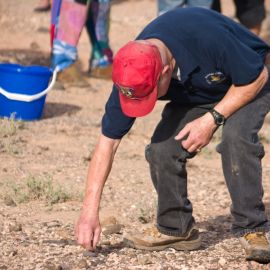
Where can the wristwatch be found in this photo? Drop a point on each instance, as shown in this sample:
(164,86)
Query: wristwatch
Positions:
(218,117)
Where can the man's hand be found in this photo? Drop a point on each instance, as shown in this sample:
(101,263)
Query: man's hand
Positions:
(197,133)
(88,230)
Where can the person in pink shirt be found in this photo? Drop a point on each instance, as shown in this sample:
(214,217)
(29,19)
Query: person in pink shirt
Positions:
(68,20)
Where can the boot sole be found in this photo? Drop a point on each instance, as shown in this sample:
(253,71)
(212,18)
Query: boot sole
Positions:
(259,256)
(181,245)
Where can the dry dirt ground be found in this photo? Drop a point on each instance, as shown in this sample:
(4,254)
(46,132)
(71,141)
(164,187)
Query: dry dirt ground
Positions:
(44,164)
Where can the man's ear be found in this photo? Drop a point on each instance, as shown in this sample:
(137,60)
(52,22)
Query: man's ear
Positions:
(165,70)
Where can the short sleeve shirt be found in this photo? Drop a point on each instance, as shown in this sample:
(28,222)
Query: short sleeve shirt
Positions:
(212,52)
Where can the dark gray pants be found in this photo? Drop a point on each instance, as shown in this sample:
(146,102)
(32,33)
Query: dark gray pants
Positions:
(241,153)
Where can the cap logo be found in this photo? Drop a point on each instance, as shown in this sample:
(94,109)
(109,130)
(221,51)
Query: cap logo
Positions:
(126,91)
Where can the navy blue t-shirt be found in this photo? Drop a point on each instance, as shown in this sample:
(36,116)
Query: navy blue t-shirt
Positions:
(211,51)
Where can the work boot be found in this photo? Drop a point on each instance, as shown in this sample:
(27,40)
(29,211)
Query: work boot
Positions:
(71,76)
(100,72)
(256,246)
(151,239)
(101,67)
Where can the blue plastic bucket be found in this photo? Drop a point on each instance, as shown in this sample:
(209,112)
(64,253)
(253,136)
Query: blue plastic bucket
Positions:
(23,90)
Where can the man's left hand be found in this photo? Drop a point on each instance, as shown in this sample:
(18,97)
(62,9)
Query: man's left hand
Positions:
(197,134)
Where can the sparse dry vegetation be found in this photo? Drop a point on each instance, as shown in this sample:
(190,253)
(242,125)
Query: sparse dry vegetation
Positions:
(39,188)
(10,139)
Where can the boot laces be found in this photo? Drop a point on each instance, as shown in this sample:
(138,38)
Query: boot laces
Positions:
(258,238)
(152,232)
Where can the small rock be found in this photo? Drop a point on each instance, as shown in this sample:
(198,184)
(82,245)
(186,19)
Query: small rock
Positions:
(144,259)
(210,227)
(3,267)
(71,242)
(14,226)
(9,201)
(109,221)
(171,256)
(52,224)
(63,233)
(34,46)
(60,242)
(143,220)
(222,261)
(13,253)
(111,229)
(213,260)
(82,264)
(105,243)
(94,264)
(51,266)
(169,268)
(88,253)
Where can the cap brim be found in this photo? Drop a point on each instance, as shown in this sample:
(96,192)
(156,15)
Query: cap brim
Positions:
(138,107)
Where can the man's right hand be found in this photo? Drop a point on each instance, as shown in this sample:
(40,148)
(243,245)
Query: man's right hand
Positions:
(88,230)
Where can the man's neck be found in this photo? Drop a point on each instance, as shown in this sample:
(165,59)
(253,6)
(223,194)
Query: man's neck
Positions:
(166,55)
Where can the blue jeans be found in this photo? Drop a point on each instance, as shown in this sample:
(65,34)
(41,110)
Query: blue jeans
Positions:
(241,153)
(165,5)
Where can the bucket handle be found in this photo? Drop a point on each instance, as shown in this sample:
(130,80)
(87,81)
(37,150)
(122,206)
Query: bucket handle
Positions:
(29,98)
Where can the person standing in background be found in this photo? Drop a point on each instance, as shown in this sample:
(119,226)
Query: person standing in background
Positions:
(68,20)
(250,13)
(166,5)
(97,25)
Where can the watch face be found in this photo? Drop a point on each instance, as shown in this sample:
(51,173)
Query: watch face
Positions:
(220,120)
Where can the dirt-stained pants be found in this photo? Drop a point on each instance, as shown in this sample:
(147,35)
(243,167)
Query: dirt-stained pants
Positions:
(241,153)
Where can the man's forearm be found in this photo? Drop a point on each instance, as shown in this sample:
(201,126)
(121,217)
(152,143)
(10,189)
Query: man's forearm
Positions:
(239,96)
(99,169)
(200,131)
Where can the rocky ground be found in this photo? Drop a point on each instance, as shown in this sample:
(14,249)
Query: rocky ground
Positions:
(44,164)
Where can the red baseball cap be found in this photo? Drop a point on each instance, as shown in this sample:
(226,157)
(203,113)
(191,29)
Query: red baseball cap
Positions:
(136,70)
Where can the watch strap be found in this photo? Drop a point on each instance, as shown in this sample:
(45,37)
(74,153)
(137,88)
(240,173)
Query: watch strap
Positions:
(218,117)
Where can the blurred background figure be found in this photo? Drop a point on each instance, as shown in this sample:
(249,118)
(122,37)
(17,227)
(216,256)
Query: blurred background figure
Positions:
(68,20)
(97,25)
(43,6)
(165,5)
(250,13)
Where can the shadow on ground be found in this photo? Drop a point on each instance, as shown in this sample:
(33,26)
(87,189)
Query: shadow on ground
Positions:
(215,230)
(53,109)
(25,57)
